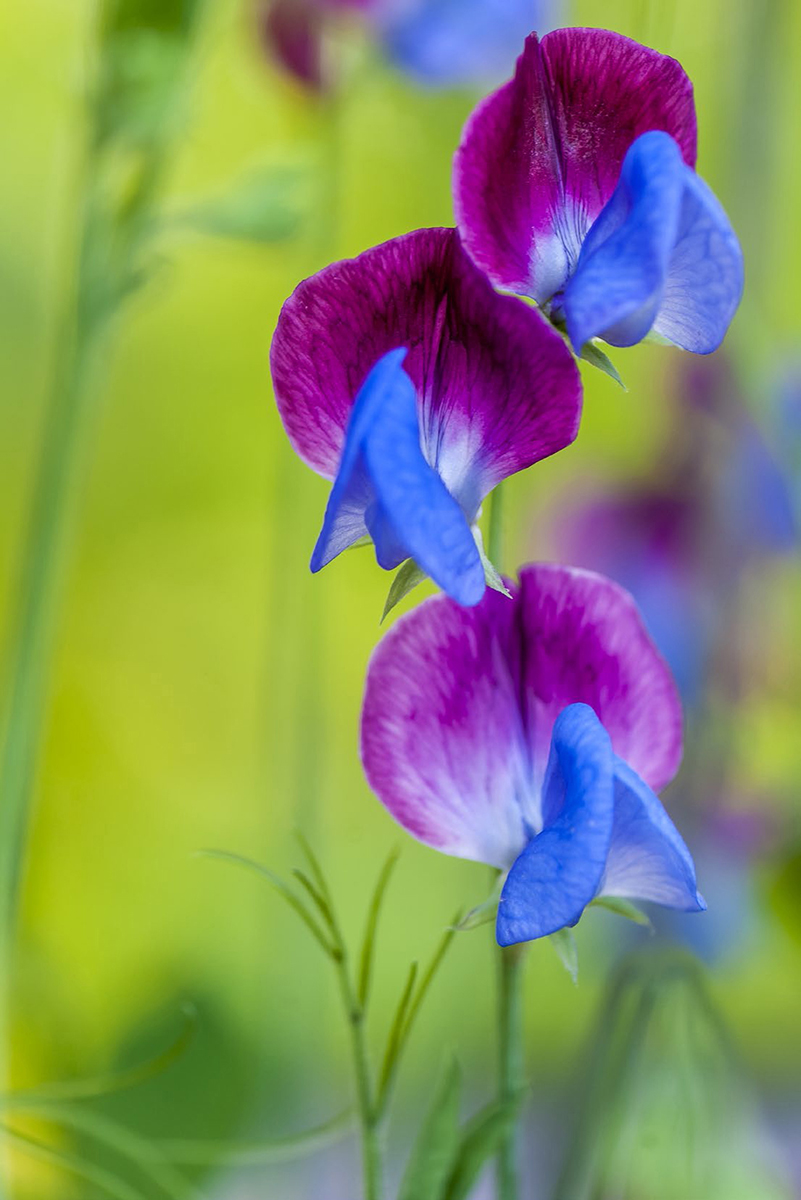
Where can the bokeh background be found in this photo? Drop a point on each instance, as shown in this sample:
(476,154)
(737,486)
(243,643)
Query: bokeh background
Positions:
(204,689)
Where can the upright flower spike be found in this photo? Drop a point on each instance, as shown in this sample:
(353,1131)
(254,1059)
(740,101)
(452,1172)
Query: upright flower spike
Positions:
(574,184)
(532,736)
(404,378)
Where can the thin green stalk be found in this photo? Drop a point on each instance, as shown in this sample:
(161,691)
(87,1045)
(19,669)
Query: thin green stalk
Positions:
(495,528)
(511,1060)
(372,1170)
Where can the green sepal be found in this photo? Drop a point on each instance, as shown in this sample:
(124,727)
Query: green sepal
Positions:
(564,943)
(431,1162)
(624,908)
(491,576)
(592,353)
(404,580)
(483,913)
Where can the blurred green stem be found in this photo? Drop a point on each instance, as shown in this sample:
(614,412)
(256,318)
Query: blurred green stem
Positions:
(495,528)
(511,1058)
(369,1119)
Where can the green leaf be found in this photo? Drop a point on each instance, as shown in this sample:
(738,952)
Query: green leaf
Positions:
(406,577)
(281,888)
(368,942)
(491,576)
(104,1085)
(264,207)
(105,1181)
(432,1158)
(480,1140)
(483,913)
(191,1153)
(624,908)
(396,1038)
(592,353)
(564,943)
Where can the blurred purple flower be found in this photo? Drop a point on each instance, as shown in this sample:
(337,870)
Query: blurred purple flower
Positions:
(574,185)
(441,43)
(529,735)
(404,378)
(720,500)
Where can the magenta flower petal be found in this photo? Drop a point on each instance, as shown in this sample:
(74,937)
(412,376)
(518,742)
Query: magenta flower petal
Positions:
(586,642)
(442,738)
(541,156)
(496,387)
(460,706)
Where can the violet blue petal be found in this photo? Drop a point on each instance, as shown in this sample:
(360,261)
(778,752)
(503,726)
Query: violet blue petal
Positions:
(385,485)
(583,640)
(541,156)
(648,859)
(560,870)
(619,284)
(442,738)
(705,275)
(497,389)
(451,42)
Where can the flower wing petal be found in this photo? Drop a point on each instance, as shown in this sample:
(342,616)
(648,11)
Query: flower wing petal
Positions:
(441,737)
(619,283)
(541,156)
(705,275)
(584,640)
(648,859)
(559,872)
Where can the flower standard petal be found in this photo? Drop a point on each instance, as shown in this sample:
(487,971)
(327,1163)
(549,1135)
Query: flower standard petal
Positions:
(559,872)
(648,859)
(496,388)
(442,741)
(584,640)
(541,156)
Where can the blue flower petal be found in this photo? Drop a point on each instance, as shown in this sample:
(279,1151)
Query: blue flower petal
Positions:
(648,859)
(661,254)
(559,872)
(705,276)
(385,486)
(447,42)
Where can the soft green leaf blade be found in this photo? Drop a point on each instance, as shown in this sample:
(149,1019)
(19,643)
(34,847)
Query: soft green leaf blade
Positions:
(405,579)
(264,207)
(395,1039)
(625,908)
(564,943)
(368,942)
(194,1153)
(432,1158)
(479,1142)
(491,576)
(278,885)
(592,353)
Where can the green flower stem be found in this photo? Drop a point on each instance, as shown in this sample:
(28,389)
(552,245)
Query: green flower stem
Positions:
(495,528)
(369,1120)
(511,1060)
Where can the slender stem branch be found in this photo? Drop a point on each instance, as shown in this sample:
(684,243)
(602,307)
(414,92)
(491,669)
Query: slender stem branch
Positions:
(495,528)
(511,1058)
(368,1117)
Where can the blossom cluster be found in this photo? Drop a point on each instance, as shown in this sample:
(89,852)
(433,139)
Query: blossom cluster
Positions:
(525,725)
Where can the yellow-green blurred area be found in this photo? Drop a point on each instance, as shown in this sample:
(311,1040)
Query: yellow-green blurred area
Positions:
(205,688)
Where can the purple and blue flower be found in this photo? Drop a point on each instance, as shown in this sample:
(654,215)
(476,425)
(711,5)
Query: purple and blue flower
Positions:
(574,185)
(532,735)
(403,377)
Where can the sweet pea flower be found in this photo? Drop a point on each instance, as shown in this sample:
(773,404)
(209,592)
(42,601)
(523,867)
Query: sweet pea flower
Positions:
(405,379)
(438,43)
(532,736)
(574,184)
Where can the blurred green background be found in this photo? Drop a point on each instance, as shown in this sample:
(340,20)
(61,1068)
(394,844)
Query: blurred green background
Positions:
(205,689)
